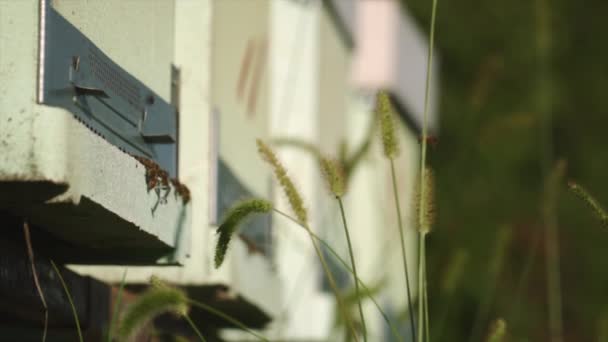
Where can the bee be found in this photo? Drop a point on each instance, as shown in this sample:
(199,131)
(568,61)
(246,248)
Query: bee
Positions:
(152,182)
(164,177)
(154,174)
(158,179)
(181,190)
(430,139)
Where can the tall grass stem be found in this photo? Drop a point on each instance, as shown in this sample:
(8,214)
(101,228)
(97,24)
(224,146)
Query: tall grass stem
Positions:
(116,311)
(226,317)
(403,250)
(421,271)
(544,100)
(427,329)
(352,260)
(67,293)
(193,326)
(421,212)
(332,284)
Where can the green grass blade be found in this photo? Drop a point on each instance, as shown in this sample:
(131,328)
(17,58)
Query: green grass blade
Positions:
(352,260)
(347,267)
(228,318)
(429,63)
(193,326)
(149,305)
(67,293)
(332,283)
(116,311)
(403,251)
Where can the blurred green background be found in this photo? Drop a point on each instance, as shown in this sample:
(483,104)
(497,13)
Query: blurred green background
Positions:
(522,86)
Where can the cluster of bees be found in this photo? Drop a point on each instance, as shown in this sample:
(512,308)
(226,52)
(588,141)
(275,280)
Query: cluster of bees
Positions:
(181,189)
(157,178)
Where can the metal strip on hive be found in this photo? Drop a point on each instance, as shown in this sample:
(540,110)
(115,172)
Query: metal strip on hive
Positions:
(77,76)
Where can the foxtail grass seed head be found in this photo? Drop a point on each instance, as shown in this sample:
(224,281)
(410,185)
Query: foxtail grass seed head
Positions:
(235,216)
(498,331)
(425,202)
(157,283)
(387,125)
(293,196)
(149,305)
(584,195)
(334,176)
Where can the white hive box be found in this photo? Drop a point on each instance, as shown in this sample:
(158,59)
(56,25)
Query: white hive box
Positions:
(67,181)
(218,155)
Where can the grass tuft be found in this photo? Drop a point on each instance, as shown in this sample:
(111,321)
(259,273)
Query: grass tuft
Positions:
(155,301)
(157,284)
(366,290)
(389,142)
(297,206)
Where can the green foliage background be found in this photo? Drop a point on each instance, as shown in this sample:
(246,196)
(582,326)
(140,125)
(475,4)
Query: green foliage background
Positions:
(496,147)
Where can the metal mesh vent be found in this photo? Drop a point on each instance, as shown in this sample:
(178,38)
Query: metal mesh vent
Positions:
(114,81)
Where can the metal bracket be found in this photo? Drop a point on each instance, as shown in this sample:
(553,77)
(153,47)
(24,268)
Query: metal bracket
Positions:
(76,75)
